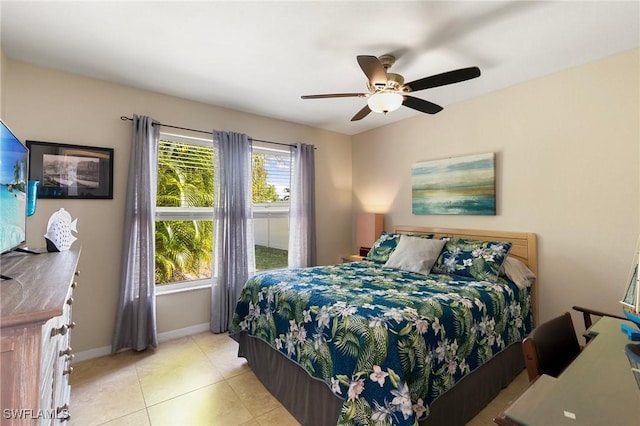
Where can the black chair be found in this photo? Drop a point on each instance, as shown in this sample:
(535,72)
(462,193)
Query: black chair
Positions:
(550,347)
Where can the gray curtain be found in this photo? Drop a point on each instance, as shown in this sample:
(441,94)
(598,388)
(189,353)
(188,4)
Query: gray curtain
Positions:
(135,325)
(234,256)
(302,209)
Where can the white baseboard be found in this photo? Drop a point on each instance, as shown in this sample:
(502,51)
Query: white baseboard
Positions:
(162,337)
(91,353)
(182,332)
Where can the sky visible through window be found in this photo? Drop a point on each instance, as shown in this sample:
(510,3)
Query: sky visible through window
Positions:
(278,172)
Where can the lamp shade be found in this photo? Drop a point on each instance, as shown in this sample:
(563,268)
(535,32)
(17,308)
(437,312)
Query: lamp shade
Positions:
(385,102)
(368,228)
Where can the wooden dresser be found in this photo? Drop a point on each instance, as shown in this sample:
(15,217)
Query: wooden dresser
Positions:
(35,320)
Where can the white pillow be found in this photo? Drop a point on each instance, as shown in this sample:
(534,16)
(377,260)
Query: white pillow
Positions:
(518,272)
(415,254)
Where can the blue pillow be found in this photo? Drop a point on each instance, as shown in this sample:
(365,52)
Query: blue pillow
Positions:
(480,260)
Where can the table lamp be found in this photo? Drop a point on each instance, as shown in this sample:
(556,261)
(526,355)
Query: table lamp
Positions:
(368,229)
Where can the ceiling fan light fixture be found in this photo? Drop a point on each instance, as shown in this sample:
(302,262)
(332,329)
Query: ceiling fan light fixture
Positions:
(385,102)
(387,90)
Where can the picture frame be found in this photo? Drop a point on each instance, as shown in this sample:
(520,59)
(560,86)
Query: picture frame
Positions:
(71,171)
(454,186)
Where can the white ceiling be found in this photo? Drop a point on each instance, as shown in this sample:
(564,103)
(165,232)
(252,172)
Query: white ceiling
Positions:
(259,57)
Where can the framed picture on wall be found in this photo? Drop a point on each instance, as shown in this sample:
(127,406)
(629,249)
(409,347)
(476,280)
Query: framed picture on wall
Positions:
(71,171)
(460,185)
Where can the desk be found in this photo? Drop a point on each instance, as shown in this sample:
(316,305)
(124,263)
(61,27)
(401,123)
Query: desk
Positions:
(598,387)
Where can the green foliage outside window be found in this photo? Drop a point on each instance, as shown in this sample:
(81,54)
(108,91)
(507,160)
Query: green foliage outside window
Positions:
(186,179)
(262,192)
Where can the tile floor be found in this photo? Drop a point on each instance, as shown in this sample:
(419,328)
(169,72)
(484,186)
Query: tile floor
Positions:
(195,380)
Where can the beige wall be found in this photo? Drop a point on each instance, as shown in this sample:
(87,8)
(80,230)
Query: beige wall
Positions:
(3,61)
(567,169)
(47,105)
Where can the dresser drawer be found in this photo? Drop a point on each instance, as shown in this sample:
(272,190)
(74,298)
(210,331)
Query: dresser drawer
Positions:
(55,367)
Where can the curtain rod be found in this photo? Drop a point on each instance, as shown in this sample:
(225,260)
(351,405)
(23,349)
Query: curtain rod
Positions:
(124,118)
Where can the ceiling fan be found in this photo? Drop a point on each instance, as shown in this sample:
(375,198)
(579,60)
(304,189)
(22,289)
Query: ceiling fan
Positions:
(387,91)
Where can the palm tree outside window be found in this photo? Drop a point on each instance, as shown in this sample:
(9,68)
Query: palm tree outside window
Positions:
(184,212)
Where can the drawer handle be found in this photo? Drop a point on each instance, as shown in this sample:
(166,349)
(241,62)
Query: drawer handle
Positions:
(77,273)
(70,301)
(68,353)
(74,284)
(68,371)
(62,330)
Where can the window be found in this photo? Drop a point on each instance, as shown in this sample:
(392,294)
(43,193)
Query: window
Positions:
(184,210)
(270,187)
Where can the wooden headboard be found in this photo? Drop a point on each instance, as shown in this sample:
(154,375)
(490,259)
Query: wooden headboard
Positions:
(524,247)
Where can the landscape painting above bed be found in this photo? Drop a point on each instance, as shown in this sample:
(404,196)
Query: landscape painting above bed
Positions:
(461,185)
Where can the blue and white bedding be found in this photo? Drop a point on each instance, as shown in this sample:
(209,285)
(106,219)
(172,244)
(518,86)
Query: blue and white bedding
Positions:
(388,342)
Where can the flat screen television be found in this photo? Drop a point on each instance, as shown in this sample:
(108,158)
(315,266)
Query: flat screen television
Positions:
(14,169)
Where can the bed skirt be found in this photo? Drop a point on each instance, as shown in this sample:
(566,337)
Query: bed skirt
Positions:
(312,403)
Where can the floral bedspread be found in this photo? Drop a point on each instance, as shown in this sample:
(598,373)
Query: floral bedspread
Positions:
(387,342)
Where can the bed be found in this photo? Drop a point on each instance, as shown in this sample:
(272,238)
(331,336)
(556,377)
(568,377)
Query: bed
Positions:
(361,343)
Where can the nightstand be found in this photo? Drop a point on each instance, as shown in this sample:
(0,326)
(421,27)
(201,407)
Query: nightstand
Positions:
(352,258)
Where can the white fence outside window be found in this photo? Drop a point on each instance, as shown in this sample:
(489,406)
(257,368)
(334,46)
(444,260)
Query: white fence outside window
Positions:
(271,224)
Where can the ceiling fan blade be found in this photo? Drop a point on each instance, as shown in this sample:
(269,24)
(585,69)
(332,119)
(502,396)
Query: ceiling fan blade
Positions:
(335,95)
(445,78)
(362,113)
(373,69)
(421,105)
